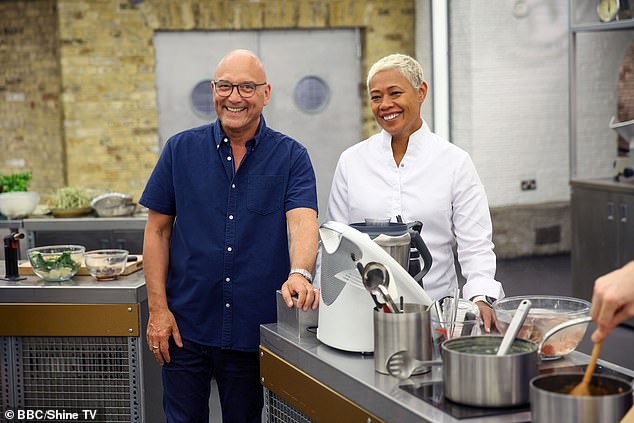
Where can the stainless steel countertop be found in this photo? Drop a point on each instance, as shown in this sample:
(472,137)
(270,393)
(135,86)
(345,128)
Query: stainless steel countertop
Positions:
(79,290)
(353,376)
(604,184)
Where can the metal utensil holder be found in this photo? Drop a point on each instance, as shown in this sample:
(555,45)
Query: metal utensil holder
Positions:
(409,330)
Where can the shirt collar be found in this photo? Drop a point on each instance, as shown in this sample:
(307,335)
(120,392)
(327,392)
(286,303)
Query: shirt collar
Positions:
(417,136)
(219,134)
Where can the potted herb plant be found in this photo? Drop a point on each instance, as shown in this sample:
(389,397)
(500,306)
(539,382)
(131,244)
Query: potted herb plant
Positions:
(15,200)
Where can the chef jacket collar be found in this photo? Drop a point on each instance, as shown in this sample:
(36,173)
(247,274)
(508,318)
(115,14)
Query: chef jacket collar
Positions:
(417,136)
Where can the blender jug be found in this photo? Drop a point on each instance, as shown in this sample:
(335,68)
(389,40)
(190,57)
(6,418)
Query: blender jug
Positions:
(398,240)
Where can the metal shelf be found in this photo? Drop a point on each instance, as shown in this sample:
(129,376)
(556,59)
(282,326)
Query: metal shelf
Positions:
(573,30)
(603,26)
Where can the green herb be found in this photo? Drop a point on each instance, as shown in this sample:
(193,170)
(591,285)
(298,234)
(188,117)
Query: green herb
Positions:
(70,198)
(64,260)
(15,182)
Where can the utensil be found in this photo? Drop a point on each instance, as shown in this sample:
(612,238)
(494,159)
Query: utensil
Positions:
(453,311)
(583,388)
(401,364)
(377,304)
(376,279)
(469,321)
(560,327)
(514,327)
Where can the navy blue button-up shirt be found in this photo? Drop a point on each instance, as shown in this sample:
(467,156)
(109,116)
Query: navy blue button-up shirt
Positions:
(229,245)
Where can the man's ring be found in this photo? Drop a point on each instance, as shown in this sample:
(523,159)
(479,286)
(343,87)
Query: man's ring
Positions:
(156,347)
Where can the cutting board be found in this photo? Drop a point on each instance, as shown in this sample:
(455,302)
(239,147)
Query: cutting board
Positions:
(25,268)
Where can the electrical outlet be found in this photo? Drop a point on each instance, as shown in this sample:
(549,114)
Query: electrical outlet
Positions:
(529,185)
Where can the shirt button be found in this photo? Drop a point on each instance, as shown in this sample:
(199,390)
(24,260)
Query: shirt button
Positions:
(229,158)
(402,165)
(226,140)
(228,279)
(233,185)
(229,248)
(230,217)
(227,305)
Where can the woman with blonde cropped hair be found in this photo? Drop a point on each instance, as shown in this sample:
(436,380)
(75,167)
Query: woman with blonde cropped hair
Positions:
(408,170)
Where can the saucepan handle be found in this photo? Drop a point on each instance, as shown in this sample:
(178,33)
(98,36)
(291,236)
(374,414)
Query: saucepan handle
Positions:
(560,327)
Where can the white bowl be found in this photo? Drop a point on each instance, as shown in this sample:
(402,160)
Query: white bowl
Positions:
(18,204)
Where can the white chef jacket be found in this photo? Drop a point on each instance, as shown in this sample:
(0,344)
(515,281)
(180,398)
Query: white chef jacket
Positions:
(437,184)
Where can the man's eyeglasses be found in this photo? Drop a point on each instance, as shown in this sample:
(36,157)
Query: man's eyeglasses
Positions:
(245,89)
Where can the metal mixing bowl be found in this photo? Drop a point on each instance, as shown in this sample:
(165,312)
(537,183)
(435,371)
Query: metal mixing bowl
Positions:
(113,204)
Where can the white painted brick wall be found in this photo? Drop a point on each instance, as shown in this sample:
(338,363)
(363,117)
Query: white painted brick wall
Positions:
(509,96)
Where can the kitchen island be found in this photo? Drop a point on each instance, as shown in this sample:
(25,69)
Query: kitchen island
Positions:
(306,380)
(78,345)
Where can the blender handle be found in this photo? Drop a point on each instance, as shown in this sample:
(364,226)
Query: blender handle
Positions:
(424,253)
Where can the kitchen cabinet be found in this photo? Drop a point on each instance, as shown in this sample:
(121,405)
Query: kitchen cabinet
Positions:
(602,213)
(78,345)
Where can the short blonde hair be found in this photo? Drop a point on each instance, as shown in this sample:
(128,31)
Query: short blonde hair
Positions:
(408,66)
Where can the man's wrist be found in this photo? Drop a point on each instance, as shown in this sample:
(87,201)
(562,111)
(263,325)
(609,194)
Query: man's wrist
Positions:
(303,272)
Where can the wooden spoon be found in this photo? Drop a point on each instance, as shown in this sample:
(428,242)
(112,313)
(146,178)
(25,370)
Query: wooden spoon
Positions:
(583,388)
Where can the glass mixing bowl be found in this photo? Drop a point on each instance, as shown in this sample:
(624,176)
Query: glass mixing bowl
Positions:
(106,264)
(56,263)
(546,312)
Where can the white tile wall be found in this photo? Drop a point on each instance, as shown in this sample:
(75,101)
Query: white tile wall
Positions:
(509,96)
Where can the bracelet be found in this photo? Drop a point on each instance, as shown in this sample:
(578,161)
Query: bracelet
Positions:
(485,299)
(305,273)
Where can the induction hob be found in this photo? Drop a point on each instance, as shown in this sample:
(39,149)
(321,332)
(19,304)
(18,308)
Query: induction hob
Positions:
(432,393)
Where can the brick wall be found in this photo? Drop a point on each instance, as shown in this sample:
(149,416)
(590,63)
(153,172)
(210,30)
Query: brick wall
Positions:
(107,59)
(30,108)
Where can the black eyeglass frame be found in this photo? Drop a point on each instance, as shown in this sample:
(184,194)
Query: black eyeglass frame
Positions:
(253,84)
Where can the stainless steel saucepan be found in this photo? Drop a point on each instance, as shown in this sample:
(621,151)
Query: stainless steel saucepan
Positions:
(474,375)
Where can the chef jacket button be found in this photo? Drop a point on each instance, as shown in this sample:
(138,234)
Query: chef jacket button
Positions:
(227,305)
(229,248)
(230,217)
(226,140)
(228,279)
(233,185)
(229,158)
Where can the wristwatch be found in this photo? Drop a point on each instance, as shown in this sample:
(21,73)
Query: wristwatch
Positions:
(485,298)
(305,273)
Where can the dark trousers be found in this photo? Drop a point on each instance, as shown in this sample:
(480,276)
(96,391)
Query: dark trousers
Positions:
(187,379)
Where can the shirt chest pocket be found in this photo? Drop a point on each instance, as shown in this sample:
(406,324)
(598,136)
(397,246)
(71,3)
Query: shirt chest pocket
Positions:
(265,193)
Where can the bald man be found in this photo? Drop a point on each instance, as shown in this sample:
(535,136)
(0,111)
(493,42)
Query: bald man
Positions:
(223,200)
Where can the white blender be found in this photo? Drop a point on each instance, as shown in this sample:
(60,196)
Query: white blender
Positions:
(346,308)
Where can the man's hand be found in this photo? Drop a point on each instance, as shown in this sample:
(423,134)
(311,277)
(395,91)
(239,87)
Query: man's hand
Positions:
(162,325)
(307,295)
(488,316)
